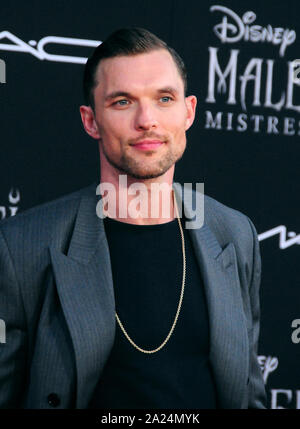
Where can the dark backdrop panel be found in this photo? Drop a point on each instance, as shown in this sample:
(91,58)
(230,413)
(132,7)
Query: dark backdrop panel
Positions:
(242,161)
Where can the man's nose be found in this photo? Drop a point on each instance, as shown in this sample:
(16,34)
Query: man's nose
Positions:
(145,118)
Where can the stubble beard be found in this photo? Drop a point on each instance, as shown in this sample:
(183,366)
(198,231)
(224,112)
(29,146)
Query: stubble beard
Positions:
(139,169)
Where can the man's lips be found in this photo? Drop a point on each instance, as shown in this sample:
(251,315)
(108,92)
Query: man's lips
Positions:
(148,144)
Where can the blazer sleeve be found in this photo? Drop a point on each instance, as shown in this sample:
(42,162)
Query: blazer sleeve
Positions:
(256,387)
(13,344)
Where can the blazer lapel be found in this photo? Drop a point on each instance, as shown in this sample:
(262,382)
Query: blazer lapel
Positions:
(85,287)
(229,347)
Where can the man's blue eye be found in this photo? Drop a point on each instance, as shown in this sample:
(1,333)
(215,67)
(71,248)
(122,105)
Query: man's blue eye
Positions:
(121,102)
(165,99)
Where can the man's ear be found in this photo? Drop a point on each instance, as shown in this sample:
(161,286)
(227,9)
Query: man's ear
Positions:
(190,102)
(88,120)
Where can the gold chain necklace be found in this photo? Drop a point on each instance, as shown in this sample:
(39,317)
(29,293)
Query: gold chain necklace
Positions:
(180,299)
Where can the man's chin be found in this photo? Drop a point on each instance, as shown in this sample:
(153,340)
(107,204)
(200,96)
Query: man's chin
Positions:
(142,174)
(142,171)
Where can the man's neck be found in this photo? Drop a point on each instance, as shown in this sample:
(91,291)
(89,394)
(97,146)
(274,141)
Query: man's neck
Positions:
(140,202)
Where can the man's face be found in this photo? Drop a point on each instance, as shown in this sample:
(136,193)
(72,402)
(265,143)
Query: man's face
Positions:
(141,114)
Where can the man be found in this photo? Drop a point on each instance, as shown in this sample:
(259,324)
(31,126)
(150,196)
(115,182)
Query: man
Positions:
(131,310)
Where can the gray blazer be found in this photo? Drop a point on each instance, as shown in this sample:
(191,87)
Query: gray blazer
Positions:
(57,301)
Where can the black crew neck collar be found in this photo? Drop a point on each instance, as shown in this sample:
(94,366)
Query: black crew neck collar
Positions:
(110,222)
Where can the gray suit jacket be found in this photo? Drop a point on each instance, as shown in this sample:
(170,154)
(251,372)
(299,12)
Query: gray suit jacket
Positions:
(57,301)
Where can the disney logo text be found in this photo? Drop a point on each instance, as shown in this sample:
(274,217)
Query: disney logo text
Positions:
(241,29)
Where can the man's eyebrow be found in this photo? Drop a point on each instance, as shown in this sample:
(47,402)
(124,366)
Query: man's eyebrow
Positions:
(170,89)
(116,94)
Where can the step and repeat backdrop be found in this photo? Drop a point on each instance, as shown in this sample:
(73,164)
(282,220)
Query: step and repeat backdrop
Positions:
(244,145)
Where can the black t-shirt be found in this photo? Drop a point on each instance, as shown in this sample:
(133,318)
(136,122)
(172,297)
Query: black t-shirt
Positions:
(147,271)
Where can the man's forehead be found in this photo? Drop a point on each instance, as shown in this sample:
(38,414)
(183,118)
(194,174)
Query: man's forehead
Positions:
(153,64)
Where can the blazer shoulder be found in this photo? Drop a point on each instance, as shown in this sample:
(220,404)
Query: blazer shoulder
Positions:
(43,222)
(216,207)
(229,224)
